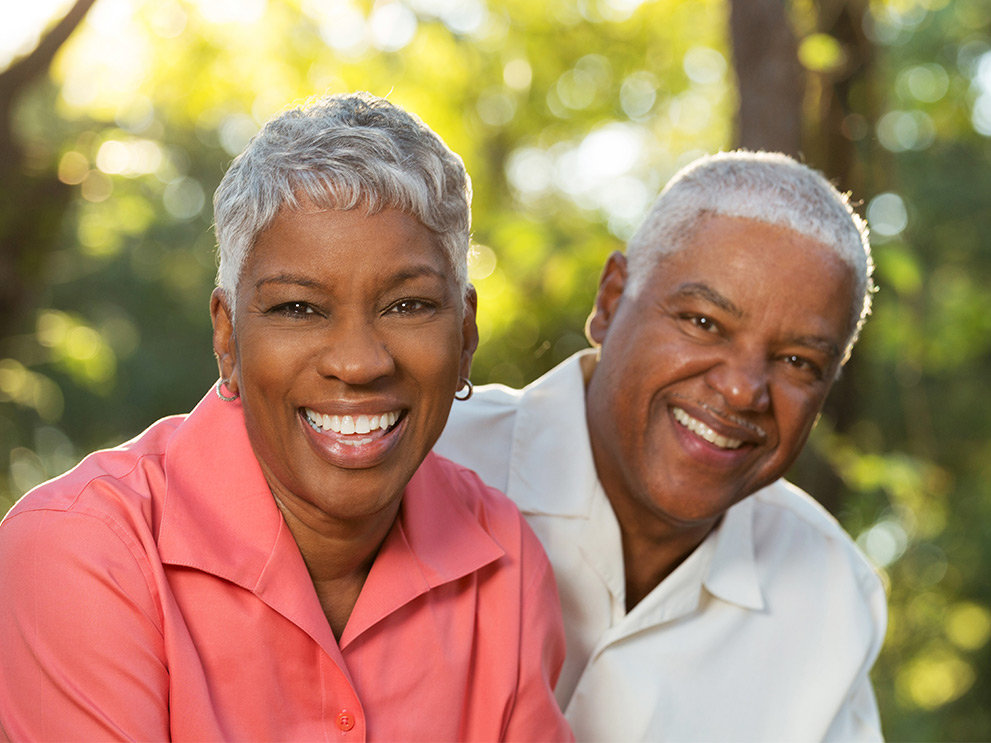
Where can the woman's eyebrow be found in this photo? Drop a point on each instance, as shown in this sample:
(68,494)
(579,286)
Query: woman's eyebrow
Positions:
(407,273)
(287,278)
(706,292)
(417,271)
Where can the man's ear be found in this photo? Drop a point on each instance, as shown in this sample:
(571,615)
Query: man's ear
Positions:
(224,345)
(469,331)
(611,285)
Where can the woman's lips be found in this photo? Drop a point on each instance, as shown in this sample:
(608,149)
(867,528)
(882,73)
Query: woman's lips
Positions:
(353,441)
(348,425)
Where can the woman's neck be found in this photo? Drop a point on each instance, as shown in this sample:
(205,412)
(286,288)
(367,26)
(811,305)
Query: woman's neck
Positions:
(338,555)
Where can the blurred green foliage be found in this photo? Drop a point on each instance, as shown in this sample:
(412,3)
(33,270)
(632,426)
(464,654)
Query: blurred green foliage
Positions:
(570,115)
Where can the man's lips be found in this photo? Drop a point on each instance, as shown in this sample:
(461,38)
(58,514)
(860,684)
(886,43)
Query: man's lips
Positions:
(707,433)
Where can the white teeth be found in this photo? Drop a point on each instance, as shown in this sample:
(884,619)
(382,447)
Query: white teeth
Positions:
(348,425)
(703,431)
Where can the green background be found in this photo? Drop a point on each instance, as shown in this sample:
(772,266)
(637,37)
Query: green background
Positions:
(570,116)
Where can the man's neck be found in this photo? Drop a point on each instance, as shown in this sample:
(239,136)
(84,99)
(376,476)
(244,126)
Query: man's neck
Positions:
(649,558)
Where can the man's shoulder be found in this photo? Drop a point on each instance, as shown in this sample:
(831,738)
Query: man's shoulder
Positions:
(501,429)
(790,519)
(489,405)
(794,504)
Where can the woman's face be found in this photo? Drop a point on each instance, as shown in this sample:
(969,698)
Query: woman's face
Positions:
(349,342)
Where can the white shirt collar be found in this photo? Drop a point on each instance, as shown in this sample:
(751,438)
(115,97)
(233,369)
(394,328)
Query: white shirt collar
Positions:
(733,574)
(552,473)
(551,470)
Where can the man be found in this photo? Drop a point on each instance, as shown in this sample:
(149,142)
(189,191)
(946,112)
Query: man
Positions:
(704,597)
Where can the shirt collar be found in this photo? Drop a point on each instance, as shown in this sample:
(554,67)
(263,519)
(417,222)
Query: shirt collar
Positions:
(733,575)
(219,517)
(437,539)
(551,470)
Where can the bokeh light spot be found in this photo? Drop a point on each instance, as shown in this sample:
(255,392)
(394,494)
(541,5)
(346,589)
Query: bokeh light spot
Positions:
(887,215)
(482,262)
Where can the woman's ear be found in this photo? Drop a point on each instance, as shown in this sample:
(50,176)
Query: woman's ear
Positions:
(607,300)
(224,344)
(469,331)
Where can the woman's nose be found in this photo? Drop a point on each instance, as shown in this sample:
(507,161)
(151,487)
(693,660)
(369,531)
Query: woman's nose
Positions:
(355,353)
(742,382)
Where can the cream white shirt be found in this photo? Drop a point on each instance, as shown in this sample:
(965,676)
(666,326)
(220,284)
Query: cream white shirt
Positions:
(766,632)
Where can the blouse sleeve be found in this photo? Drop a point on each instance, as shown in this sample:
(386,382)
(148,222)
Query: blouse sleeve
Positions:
(535,715)
(81,631)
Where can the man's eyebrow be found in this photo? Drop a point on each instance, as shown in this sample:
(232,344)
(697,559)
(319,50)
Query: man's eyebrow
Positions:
(707,293)
(818,343)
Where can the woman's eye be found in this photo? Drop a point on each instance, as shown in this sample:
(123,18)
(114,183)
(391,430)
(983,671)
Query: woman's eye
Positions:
(293,309)
(410,306)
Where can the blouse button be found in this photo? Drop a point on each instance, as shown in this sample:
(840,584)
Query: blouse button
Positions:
(345,720)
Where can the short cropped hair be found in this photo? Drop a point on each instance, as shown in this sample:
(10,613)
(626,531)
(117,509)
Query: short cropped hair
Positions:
(342,152)
(766,187)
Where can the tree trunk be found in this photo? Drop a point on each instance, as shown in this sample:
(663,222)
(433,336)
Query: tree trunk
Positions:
(33,202)
(771,80)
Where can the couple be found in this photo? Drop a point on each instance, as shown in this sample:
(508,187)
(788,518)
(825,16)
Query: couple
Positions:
(291,561)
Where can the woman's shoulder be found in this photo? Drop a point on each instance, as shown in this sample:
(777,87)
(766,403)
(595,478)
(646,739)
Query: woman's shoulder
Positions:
(469,487)
(489,508)
(115,482)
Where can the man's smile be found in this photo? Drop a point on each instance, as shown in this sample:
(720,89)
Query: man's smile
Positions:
(703,431)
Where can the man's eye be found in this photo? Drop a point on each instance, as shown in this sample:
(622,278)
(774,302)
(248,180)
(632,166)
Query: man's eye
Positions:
(803,364)
(703,323)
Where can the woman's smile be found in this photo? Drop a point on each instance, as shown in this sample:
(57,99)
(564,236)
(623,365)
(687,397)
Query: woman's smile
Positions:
(349,425)
(353,441)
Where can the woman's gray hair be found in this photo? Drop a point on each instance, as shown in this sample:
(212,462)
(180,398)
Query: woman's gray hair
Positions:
(342,152)
(766,187)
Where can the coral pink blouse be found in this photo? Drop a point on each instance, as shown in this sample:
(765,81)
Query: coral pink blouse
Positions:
(154,592)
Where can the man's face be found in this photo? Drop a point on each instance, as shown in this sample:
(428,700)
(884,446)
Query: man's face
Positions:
(711,377)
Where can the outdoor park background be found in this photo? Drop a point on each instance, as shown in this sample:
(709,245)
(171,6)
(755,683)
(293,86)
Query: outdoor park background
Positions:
(116,126)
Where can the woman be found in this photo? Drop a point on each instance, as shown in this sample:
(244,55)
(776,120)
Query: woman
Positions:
(289,561)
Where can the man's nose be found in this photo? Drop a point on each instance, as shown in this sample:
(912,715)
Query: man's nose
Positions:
(742,381)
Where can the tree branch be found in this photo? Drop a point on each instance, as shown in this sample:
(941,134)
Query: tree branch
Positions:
(26,69)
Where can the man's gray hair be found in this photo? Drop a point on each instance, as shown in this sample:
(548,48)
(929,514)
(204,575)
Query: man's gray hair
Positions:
(766,187)
(342,152)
